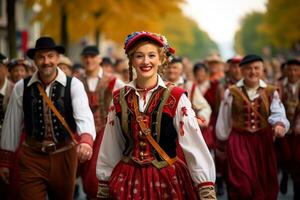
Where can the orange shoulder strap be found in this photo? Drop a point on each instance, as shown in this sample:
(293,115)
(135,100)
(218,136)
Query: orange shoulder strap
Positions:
(147,132)
(55,111)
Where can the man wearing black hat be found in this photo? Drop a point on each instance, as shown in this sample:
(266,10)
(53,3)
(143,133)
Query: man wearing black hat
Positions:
(289,146)
(250,116)
(52,108)
(99,86)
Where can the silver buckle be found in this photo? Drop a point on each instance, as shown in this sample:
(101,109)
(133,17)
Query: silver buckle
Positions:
(48,148)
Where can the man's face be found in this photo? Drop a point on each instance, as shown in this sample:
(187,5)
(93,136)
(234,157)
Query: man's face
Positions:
(91,62)
(174,71)
(215,67)
(293,73)
(46,62)
(252,72)
(18,72)
(235,71)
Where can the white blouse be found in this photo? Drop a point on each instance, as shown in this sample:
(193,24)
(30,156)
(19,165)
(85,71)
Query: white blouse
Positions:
(199,160)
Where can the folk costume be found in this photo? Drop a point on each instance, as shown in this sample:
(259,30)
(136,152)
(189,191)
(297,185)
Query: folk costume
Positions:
(137,158)
(289,146)
(99,91)
(48,157)
(245,121)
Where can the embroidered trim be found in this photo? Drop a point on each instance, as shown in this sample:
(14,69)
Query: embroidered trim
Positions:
(86,138)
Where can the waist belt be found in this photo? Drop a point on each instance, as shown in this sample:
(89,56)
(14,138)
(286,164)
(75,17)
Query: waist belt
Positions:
(49,147)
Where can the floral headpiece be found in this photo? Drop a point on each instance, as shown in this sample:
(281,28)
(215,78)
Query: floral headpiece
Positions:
(159,39)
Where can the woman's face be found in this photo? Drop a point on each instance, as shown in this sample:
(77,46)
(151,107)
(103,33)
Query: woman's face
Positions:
(201,75)
(146,60)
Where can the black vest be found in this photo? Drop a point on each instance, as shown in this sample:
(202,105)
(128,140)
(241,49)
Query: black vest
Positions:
(33,107)
(167,136)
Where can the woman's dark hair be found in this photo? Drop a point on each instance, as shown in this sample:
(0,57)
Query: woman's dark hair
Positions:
(198,66)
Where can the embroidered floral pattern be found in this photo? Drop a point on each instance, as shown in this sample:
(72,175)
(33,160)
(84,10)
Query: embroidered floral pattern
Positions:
(181,130)
(131,37)
(184,111)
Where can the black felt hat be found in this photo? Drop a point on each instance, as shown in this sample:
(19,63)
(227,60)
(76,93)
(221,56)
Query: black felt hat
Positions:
(249,59)
(90,50)
(45,43)
(293,61)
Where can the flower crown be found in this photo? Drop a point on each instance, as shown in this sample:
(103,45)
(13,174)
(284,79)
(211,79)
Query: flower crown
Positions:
(160,39)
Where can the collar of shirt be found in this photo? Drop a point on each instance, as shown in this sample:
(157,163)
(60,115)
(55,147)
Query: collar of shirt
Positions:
(160,82)
(293,86)
(252,92)
(61,78)
(261,83)
(99,75)
(180,81)
(3,89)
(144,99)
(204,86)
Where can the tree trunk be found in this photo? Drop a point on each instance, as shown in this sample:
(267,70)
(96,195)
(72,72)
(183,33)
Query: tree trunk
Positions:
(11,28)
(64,29)
(97,31)
(97,37)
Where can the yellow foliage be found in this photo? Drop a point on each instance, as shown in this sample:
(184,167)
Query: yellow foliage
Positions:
(113,18)
(282,22)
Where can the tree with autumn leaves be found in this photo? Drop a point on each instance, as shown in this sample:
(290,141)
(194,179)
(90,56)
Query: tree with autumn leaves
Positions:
(278,28)
(68,21)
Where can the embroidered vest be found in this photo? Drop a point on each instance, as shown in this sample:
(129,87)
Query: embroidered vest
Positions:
(159,115)
(100,99)
(243,117)
(33,107)
(292,106)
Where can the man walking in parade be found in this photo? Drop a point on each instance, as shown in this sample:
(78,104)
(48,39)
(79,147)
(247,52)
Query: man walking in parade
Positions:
(52,107)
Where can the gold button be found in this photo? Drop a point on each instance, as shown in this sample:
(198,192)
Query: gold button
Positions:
(253,127)
(140,133)
(142,144)
(141,154)
(252,114)
(252,120)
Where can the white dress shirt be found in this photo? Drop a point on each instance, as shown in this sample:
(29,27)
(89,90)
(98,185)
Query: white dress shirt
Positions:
(199,102)
(13,122)
(224,121)
(199,160)
(93,81)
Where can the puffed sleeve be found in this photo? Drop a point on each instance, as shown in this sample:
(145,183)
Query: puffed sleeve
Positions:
(278,113)
(82,113)
(223,125)
(201,105)
(12,126)
(197,155)
(111,148)
(13,121)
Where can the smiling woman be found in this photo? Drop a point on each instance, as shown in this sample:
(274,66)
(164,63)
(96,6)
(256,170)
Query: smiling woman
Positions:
(137,158)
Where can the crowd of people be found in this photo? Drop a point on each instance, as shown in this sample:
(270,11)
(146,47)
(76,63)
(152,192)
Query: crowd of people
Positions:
(149,126)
